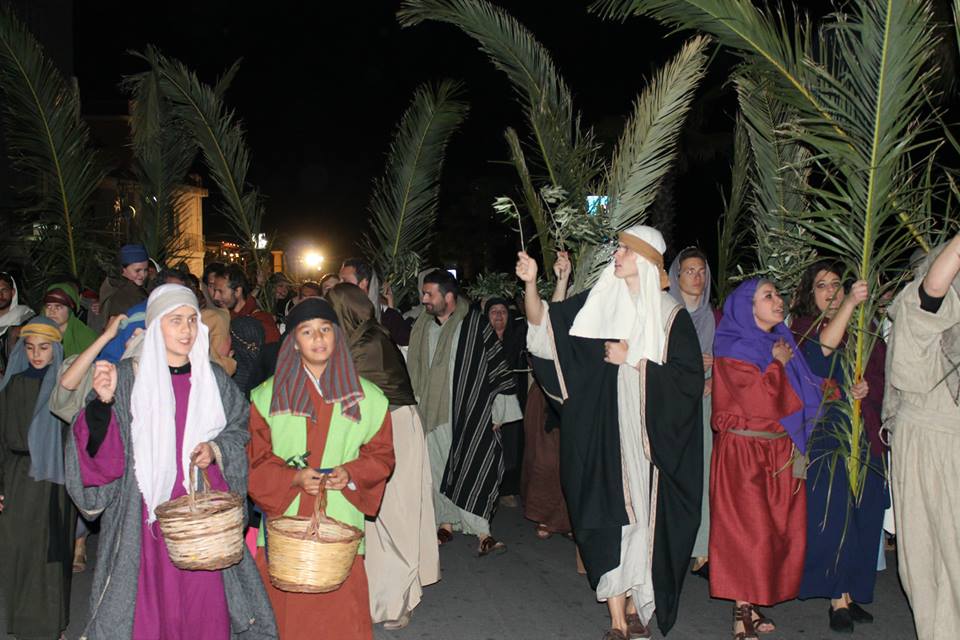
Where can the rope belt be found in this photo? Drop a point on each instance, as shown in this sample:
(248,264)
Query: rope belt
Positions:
(798,460)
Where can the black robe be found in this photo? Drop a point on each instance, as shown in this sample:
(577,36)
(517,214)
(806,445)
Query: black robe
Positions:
(590,466)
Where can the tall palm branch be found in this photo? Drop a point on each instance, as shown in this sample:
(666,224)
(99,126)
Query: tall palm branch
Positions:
(779,175)
(733,229)
(646,149)
(403,208)
(50,143)
(860,109)
(560,153)
(215,129)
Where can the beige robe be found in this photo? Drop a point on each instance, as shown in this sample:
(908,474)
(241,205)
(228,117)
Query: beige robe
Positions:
(926,462)
(402,553)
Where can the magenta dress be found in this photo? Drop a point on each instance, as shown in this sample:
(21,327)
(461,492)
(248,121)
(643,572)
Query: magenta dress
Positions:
(172,604)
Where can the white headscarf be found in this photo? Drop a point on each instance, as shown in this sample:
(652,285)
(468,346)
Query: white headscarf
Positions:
(16,312)
(611,313)
(153,406)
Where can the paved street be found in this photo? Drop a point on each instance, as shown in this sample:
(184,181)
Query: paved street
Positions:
(533,591)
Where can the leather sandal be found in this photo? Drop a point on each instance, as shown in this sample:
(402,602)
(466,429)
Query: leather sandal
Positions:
(490,545)
(444,536)
(543,532)
(615,634)
(761,620)
(744,614)
(636,628)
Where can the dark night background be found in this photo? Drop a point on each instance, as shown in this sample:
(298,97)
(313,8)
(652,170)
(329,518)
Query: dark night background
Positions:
(322,85)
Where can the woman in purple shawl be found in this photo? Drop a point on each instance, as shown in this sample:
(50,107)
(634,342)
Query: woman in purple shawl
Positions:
(843,534)
(765,403)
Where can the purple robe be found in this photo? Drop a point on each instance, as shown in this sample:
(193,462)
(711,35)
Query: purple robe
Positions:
(172,604)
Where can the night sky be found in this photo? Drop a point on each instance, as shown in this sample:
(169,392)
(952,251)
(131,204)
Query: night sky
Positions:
(322,86)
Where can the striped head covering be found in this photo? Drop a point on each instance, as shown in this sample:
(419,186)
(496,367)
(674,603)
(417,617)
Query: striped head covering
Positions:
(339,381)
(42,327)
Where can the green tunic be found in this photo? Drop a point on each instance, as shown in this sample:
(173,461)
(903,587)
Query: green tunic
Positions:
(36,526)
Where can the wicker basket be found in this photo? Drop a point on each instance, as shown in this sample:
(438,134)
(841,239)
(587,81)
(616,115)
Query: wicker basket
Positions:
(311,555)
(203,531)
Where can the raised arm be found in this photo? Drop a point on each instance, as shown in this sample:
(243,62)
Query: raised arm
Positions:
(943,270)
(527,272)
(832,333)
(73,376)
(561,269)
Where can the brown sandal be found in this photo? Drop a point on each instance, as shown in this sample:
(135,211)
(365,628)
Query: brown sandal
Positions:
(636,628)
(543,531)
(744,614)
(761,620)
(615,634)
(490,545)
(444,536)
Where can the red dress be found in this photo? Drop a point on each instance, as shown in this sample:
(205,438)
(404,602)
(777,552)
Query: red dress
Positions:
(758,509)
(343,614)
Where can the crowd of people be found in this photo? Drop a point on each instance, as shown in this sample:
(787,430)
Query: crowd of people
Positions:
(664,436)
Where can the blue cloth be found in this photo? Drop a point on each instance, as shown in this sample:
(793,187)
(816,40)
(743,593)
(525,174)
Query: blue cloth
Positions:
(738,337)
(130,253)
(841,555)
(45,436)
(136,320)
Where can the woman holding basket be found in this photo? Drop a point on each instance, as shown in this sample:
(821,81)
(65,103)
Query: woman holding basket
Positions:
(316,427)
(154,416)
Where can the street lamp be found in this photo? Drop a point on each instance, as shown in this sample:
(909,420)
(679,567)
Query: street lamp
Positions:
(313,260)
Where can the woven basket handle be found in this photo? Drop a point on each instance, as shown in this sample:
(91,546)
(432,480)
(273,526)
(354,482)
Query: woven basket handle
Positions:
(192,497)
(319,510)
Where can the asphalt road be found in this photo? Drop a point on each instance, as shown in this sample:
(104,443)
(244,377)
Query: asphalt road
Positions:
(533,591)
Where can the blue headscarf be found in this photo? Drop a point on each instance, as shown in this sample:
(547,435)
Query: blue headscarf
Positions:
(738,337)
(44,438)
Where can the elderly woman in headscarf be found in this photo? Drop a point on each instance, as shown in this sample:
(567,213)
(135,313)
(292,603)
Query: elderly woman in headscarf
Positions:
(843,530)
(316,423)
(690,286)
(627,364)
(765,405)
(131,450)
(922,370)
(61,303)
(402,553)
(36,515)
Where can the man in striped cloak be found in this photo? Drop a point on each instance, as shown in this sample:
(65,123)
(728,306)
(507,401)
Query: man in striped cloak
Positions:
(465,392)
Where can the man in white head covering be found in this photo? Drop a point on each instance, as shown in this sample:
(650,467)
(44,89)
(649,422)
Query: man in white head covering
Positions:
(624,360)
(12,313)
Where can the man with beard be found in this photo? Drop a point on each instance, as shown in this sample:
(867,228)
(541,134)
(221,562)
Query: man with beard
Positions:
(457,369)
(231,291)
(12,313)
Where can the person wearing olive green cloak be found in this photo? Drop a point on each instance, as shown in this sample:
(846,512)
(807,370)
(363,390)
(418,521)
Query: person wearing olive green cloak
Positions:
(317,414)
(60,303)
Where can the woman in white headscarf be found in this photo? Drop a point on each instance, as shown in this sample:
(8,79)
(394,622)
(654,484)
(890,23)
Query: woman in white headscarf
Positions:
(131,450)
(630,469)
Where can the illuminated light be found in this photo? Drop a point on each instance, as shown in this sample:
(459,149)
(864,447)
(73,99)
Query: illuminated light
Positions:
(313,260)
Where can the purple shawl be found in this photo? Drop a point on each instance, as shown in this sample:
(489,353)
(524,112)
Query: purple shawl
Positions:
(738,337)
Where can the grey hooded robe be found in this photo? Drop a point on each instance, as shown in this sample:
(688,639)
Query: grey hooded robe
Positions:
(114,592)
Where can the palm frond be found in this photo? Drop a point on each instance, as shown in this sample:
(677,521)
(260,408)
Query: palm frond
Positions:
(777,43)
(218,133)
(779,177)
(531,198)
(49,142)
(163,153)
(565,155)
(646,149)
(732,228)
(404,204)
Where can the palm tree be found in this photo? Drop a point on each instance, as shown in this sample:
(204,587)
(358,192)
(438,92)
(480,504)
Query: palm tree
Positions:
(404,204)
(50,143)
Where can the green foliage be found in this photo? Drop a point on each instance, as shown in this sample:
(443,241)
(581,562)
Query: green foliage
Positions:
(214,128)
(560,153)
(646,150)
(733,231)
(405,200)
(49,143)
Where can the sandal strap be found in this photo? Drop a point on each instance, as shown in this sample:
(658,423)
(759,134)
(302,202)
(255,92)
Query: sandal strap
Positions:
(744,615)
